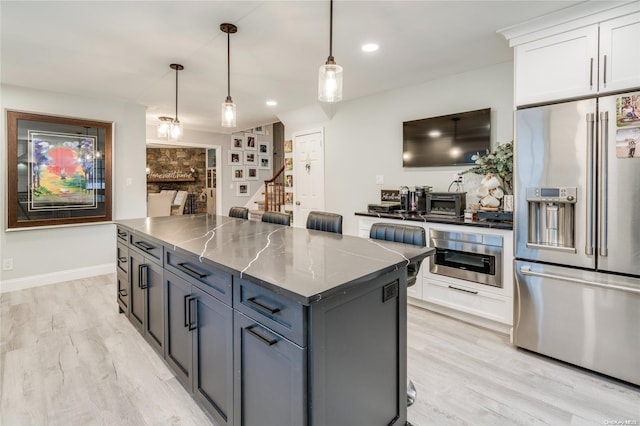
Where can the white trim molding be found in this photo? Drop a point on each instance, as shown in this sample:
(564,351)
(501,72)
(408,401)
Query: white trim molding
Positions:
(56,277)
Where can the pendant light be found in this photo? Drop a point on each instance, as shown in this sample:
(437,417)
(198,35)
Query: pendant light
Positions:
(171,128)
(228,110)
(330,74)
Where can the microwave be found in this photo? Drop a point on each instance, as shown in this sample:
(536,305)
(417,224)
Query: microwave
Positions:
(446,204)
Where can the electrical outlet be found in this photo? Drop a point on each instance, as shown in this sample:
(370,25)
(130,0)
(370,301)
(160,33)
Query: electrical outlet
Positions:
(7,264)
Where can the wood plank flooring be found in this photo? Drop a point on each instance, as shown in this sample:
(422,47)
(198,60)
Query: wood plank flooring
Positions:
(68,358)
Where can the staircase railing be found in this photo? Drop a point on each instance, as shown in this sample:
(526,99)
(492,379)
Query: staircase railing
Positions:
(274,191)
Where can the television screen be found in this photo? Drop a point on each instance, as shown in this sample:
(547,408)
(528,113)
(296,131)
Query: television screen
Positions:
(448,140)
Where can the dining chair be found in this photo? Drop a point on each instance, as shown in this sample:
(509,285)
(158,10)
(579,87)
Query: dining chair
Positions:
(239,212)
(323,221)
(277,218)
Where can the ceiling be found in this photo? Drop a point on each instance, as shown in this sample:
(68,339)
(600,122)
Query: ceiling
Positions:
(121,50)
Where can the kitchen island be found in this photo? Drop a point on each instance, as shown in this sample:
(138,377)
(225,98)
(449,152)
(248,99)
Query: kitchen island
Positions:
(271,325)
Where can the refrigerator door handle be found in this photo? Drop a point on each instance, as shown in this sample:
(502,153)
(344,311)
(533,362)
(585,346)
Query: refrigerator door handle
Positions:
(525,270)
(590,183)
(604,141)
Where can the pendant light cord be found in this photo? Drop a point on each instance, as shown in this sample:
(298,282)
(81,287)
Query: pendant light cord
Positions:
(330,58)
(176,94)
(228,67)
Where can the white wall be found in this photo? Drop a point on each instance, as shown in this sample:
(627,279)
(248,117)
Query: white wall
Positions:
(364,137)
(42,256)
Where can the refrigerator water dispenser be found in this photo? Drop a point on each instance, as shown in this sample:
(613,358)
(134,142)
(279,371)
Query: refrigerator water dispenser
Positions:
(552,218)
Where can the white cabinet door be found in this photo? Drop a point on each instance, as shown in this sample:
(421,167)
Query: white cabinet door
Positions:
(620,53)
(557,67)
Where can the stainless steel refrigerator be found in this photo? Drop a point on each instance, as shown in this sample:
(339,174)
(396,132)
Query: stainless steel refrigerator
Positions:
(577,233)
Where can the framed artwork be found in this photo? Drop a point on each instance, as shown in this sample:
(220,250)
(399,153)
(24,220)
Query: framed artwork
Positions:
(250,142)
(258,130)
(288,197)
(59,170)
(288,163)
(288,181)
(237,173)
(236,142)
(250,158)
(264,161)
(235,157)
(263,148)
(252,173)
(242,189)
(288,146)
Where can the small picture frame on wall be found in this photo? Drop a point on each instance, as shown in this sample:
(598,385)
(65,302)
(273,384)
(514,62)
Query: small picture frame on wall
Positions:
(237,141)
(258,130)
(264,162)
(288,197)
(288,146)
(252,173)
(242,189)
(288,181)
(263,148)
(237,173)
(250,142)
(288,163)
(250,158)
(235,157)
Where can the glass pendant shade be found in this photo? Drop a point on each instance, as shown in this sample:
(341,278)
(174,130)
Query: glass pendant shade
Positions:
(164,127)
(330,83)
(176,130)
(228,113)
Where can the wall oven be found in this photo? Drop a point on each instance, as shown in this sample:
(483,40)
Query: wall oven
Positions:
(471,257)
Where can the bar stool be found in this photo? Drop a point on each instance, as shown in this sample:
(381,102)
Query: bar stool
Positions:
(239,212)
(277,218)
(407,235)
(323,221)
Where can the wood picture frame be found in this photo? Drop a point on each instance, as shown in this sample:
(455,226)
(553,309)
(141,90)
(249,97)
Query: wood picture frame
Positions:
(59,170)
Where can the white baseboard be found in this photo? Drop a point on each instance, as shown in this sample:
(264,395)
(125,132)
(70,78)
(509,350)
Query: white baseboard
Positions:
(55,277)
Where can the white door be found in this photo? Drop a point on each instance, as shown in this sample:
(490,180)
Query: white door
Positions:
(308,175)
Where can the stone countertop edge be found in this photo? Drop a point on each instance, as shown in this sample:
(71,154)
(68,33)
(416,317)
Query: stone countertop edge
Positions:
(303,265)
(424,219)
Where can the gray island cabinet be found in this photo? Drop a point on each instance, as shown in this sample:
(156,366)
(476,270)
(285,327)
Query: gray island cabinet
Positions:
(271,325)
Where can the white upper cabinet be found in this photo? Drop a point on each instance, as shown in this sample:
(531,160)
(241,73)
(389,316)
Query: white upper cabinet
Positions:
(620,53)
(590,60)
(557,67)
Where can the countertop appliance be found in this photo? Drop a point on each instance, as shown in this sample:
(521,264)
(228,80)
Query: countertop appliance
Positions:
(446,204)
(577,234)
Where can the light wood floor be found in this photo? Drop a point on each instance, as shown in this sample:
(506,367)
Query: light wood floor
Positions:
(69,358)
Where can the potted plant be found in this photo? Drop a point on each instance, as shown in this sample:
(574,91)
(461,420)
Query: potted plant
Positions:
(498,163)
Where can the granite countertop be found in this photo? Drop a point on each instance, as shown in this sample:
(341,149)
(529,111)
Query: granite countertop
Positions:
(304,265)
(456,221)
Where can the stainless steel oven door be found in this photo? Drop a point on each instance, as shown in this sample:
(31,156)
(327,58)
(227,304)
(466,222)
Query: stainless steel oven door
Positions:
(467,257)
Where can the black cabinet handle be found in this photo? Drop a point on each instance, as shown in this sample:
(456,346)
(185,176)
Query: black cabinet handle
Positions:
(144,245)
(192,325)
(262,307)
(142,276)
(265,340)
(191,271)
(122,235)
(187,317)
(462,289)
(122,259)
(123,293)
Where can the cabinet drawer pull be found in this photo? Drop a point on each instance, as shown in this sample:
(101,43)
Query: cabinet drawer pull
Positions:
(144,245)
(462,289)
(190,325)
(265,340)
(262,307)
(122,259)
(122,235)
(191,271)
(123,293)
(142,276)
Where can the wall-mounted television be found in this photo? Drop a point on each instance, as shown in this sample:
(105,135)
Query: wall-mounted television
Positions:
(448,140)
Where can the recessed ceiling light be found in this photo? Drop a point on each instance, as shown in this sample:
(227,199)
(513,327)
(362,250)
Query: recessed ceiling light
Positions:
(272,103)
(370,47)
